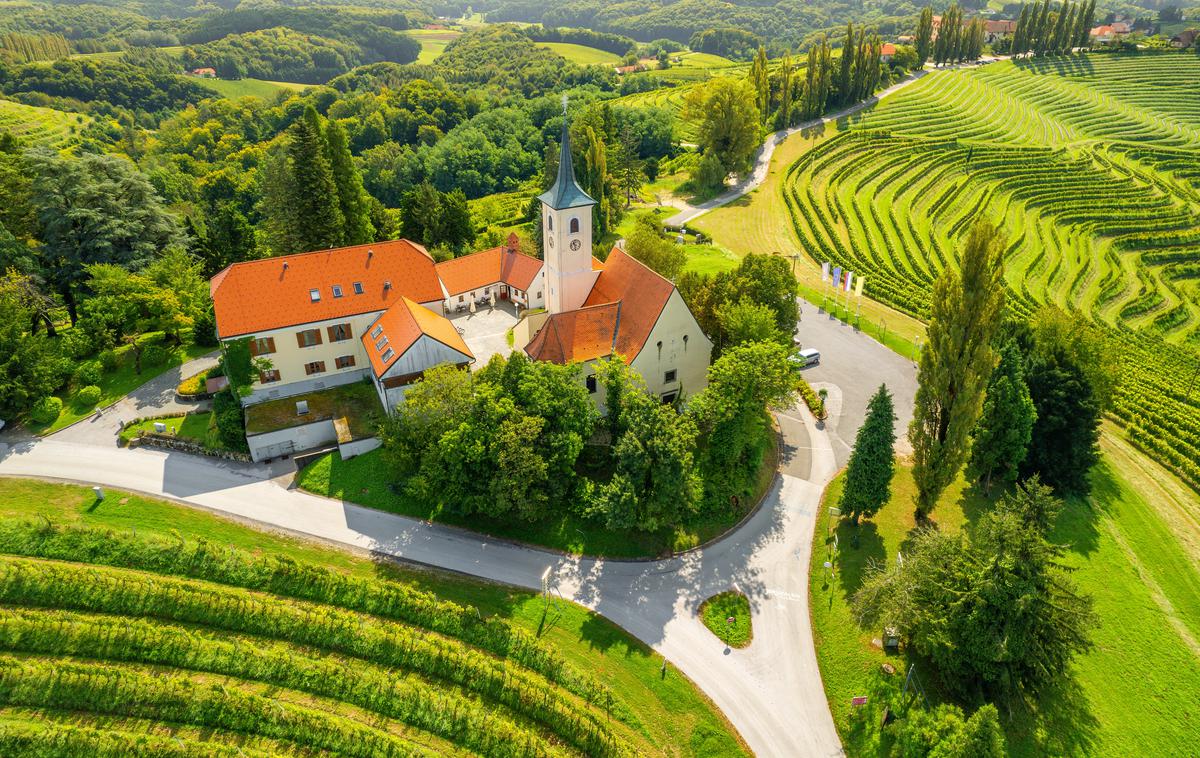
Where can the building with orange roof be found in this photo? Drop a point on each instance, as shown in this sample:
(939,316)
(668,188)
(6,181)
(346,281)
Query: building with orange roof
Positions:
(501,272)
(405,341)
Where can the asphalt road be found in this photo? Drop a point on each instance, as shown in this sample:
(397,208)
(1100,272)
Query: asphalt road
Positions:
(852,367)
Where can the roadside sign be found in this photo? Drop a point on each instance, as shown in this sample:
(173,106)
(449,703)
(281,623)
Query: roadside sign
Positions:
(828,565)
(860,700)
(835,510)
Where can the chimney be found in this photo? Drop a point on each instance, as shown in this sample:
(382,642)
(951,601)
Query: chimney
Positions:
(285,265)
(387,286)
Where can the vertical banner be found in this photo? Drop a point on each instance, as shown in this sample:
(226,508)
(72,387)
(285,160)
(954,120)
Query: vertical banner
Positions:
(858,286)
(837,276)
(825,272)
(849,279)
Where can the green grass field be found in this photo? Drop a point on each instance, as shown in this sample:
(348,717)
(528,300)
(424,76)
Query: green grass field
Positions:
(136,622)
(727,615)
(192,427)
(582,54)
(41,126)
(433,42)
(235,88)
(1135,548)
(112,55)
(1083,161)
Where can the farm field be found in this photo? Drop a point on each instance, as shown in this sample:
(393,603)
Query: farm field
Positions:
(1132,547)
(582,54)
(118,630)
(235,88)
(433,42)
(1083,161)
(41,126)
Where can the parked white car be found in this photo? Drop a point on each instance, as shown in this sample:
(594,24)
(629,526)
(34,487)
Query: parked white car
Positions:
(805,357)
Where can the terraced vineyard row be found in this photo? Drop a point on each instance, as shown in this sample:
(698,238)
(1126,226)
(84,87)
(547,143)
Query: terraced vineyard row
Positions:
(1089,164)
(269,655)
(40,126)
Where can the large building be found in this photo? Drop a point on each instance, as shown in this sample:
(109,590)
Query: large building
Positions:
(385,313)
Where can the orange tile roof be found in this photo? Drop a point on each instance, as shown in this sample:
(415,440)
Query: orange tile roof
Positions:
(578,335)
(642,292)
(272,293)
(887,49)
(403,324)
(597,264)
(478,270)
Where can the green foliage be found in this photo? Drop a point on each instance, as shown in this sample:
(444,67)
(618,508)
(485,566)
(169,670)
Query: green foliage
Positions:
(716,611)
(748,321)
(729,42)
(649,246)
(872,462)
(88,372)
(727,118)
(761,281)
(1001,437)
(46,410)
(943,732)
(997,615)
(504,58)
(228,416)
(352,199)
(278,54)
(436,218)
(956,363)
(88,396)
(204,328)
(30,363)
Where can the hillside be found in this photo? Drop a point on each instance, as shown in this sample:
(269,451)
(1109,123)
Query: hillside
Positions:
(1084,162)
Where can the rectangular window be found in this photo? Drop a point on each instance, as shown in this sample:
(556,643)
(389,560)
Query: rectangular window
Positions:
(381,343)
(669,376)
(308,338)
(378,330)
(387,355)
(539,295)
(316,367)
(358,290)
(266,377)
(460,298)
(591,384)
(262,346)
(339,332)
(314,295)
(669,397)
(344,361)
(337,290)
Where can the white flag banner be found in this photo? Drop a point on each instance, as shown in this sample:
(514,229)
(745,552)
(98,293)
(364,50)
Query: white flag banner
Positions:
(849,279)
(825,272)
(858,286)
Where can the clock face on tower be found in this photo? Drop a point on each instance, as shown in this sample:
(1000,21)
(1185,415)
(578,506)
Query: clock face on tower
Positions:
(574,244)
(550,241)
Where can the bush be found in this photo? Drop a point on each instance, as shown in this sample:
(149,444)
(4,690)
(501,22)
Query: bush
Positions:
(77,343)
(204,329)
(709,173)
(154,355)
(46,410)
(231,424)
(109,360)
(87,373)
(87,396)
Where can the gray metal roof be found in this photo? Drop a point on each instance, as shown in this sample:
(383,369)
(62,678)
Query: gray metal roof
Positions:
(566,192)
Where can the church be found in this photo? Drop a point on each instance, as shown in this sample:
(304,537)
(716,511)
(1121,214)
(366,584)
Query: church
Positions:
(386,312)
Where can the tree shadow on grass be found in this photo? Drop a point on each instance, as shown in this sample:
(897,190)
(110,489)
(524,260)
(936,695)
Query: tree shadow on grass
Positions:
(1059,723)
(853,561)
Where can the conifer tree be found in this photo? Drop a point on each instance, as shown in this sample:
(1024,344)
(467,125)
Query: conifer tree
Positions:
(847,66)
(311,191)
(956,363)
(1058,37)
(352,198)
(924,40)
(872,462)
(1042,30)
(1001,437)
(1083,25)
(783,116)
(1021,33)
(761,81)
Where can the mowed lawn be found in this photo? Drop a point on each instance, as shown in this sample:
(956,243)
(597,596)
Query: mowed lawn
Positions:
(235,88)
(673,718)
(1135,549)
(433,42)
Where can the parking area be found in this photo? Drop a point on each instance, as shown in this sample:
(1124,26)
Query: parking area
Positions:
(485,330)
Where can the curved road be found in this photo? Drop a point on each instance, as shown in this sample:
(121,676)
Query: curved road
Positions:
(771,691)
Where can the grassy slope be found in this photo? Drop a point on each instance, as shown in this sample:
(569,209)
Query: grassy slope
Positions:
(40,126)
(235,88)
(582,54)
(1127,695)
(676,717)
(433,42)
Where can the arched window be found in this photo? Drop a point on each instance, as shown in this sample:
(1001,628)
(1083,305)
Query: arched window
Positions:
(550,222)
(574,226)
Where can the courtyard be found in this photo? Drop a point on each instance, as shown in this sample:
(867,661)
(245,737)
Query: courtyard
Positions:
(485,331)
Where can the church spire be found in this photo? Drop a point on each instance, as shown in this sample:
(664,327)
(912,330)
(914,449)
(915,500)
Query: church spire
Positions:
(566,192)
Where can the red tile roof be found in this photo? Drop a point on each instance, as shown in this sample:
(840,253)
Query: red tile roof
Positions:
(578,335)
(617,317)
(403,324)
(272,293)
(887,49)
(642,292)
(478,270)
(1000,27)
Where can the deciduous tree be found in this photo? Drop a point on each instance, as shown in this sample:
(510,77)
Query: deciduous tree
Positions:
(727,121)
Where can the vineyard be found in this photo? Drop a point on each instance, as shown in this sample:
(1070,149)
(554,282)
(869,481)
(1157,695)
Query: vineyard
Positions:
(1089,165)
(677,81)
(41,126)
(241,654)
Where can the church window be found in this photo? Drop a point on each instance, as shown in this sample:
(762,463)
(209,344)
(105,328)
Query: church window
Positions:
(591,384)
(574,226)
(685,343)
(550,222)
(669,376)
(660,349)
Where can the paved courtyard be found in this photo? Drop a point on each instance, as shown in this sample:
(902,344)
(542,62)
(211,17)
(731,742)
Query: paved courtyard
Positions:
(484,330)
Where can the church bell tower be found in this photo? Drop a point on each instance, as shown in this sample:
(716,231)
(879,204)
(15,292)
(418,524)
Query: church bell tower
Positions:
(567,234)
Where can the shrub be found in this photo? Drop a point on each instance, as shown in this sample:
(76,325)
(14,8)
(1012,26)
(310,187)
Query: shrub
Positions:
(204,329)
(154,355)
(46,410)
(231,424)
(77,343)
(88,373)
(87,396)
(109,360)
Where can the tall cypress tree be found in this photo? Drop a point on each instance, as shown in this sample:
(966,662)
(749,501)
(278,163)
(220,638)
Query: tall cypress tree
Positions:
(1021,34)
(312,192)
(924,41)
(847,67)
(761,82)
(872,462)
(352,198)
(956,363)
(1001,437)
(1058,37)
